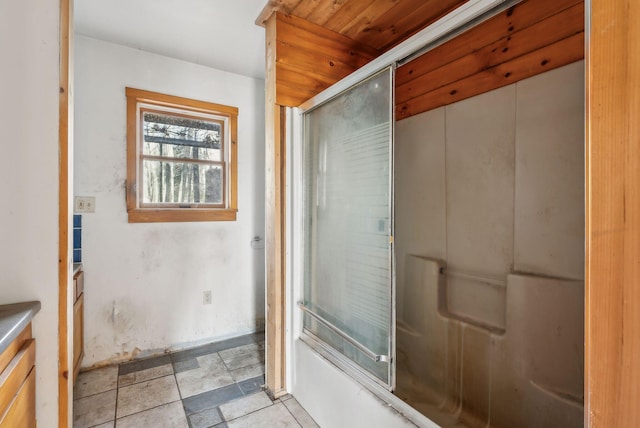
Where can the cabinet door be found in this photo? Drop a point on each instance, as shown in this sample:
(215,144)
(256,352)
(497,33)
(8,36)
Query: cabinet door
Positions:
(17,389)
(22,413)
(78,335)
(78,284)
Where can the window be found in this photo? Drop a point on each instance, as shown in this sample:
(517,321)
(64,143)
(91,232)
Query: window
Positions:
(181,159)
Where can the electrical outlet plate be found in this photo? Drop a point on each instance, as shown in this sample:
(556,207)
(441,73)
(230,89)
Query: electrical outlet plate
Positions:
(85,204)
(206,297)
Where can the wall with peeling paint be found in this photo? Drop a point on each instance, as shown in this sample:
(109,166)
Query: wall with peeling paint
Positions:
(144,282)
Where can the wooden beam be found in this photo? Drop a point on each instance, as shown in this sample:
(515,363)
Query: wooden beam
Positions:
(325,10)
(273,6)
(514,19)
(547,58)
(403,21)
(612,318)
(65,138)
(303,49)
(305,8)
(315,62)
(274,230)
(507,47)
(302,35)
(302,59)
(294,85)
(343,16)
(362,23)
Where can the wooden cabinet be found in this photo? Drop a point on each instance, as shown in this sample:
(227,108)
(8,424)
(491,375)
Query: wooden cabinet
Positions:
(78,284)
(78,323)
(17,382)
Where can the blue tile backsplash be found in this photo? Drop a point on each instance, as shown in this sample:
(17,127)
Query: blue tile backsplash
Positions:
(77,238)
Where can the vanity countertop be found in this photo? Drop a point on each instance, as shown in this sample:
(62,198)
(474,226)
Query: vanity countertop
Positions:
(13,319)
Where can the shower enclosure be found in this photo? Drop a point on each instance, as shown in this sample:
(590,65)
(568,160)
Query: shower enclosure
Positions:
(441,256)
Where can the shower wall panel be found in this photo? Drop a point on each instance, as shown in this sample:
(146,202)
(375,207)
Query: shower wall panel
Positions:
(549,209)
(421,223)
(504,180)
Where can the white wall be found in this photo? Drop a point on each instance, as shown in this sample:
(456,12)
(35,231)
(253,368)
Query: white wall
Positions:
(510,186)
(29,97)
(549,194)
(144,282)
(503,174)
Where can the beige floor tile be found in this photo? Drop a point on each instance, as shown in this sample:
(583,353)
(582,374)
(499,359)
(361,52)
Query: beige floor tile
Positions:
(96,381)
(248,372)
(166,416)
(209,360)
(145,375)
(300,414)
(205,419)
(94,410)
(146,395)
(240,350)
(204,378)
(245,405)
(247,359)
(276,416)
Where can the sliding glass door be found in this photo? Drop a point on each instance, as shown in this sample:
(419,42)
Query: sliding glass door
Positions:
(347,220)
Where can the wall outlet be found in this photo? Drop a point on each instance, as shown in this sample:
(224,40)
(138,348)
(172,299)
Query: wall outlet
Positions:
(206,297)
(85,204)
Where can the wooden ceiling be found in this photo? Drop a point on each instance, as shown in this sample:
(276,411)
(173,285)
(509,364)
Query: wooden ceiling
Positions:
(527,39)
(378,24)
(312,44)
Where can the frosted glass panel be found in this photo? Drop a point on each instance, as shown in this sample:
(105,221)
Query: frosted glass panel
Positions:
(347,222)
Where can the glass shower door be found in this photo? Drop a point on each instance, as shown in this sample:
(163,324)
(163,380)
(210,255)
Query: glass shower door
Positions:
(347,220)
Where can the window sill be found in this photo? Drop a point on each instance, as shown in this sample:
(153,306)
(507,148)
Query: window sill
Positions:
(171,215)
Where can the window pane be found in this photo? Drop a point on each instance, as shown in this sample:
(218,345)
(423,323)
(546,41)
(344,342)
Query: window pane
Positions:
(166,182)
(181,137)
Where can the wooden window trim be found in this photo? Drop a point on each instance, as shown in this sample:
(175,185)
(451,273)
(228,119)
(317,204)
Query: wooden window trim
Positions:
(147,213)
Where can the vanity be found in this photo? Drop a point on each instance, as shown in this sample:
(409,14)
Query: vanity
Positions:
(17,365)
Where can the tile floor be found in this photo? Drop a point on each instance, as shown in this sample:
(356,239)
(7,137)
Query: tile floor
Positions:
(215,385)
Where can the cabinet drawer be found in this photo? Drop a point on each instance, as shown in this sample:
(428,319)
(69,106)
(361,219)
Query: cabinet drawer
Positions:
(22,411)
(12,378)
(14,347)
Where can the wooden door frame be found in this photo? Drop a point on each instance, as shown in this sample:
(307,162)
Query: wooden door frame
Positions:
(275,225)
(65,162)
(612,277)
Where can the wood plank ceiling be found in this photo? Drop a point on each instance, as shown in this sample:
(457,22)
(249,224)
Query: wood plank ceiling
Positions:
(528,39)
(378,24)
(318,42)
